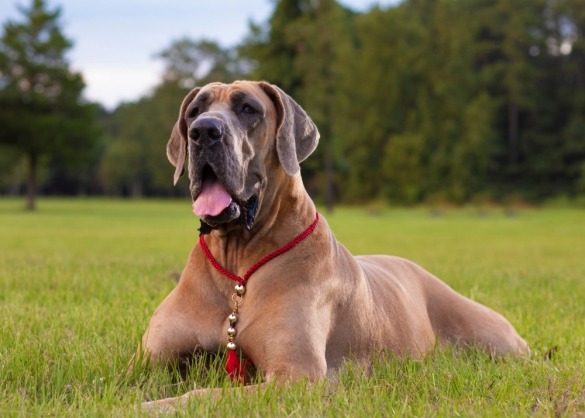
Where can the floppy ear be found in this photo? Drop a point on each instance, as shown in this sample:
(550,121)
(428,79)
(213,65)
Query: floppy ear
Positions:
(177,145)
(296,134)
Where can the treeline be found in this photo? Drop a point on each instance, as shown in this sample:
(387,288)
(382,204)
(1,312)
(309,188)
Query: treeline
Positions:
(426,101)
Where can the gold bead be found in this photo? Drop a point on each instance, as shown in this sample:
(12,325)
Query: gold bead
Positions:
(231,332)
(231,345)
(240,289)
(233,318)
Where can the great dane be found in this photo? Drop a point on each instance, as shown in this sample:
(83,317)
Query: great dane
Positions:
(308,305)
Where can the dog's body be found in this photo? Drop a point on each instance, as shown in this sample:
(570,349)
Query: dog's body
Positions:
(311,308)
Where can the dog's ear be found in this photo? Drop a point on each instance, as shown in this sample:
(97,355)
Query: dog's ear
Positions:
(296,134)
(177,145)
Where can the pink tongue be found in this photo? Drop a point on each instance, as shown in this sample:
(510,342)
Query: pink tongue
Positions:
(212,200)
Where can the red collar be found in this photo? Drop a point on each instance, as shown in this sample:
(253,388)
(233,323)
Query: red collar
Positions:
(243,279)
(233,367)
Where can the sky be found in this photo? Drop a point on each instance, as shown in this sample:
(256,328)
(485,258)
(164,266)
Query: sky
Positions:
(115,41)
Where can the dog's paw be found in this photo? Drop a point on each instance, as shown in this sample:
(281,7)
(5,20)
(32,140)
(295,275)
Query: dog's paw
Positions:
(163,406)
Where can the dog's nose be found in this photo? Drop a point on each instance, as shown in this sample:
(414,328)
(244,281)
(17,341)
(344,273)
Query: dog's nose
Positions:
(206,131)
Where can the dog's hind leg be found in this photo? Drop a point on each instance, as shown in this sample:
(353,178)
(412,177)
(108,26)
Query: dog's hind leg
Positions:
(462,321)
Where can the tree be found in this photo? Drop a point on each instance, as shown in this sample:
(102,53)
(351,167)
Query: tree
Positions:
(556,154)
(270,48)
(43,114)
(189,63)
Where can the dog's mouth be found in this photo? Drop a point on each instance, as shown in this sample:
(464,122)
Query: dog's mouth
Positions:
(215,206)
(213,198)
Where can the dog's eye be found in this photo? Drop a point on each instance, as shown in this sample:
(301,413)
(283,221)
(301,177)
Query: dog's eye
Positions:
(246,108)
(193,112)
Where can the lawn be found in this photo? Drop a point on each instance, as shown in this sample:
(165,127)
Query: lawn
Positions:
(80,278)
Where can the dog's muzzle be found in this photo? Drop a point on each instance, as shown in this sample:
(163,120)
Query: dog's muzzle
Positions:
(213,201)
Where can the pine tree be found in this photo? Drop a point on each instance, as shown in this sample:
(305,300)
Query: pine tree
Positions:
(42,113)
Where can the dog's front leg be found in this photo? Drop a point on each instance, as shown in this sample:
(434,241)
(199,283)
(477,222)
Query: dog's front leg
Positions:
(281,372)
(178,328)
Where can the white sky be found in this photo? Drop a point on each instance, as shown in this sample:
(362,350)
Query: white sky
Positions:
(115,40)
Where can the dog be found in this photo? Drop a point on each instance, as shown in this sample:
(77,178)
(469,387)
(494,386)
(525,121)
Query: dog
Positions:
(267,281)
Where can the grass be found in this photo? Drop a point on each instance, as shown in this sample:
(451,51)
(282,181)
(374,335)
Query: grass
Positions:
(79,280)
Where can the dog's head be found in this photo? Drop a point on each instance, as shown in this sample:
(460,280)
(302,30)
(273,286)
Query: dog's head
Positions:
(231,135)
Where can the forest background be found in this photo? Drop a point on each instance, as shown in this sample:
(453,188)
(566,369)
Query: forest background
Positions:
(427,101)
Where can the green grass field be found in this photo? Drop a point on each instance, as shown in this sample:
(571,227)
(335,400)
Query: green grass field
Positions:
(79,280)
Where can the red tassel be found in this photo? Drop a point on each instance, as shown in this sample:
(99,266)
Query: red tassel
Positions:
(233,367)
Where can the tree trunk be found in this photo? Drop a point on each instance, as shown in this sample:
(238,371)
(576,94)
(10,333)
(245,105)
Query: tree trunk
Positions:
(513,146)
(329,186)
(136,189)
(31,184)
